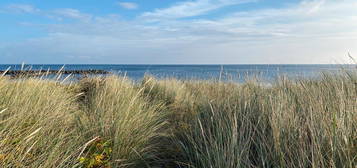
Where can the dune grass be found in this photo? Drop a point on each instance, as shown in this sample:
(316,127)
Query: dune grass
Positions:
(37,127)
(302,124)
(113,122)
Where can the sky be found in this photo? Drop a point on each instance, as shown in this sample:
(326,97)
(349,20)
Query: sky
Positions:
(178,31)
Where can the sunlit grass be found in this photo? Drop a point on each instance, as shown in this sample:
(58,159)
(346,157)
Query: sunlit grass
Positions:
(114,122)
(36,124)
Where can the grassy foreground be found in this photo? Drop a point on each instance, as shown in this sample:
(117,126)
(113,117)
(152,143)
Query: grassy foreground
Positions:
(113,122)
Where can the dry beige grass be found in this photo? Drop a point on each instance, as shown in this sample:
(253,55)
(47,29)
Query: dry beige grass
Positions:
(113,122)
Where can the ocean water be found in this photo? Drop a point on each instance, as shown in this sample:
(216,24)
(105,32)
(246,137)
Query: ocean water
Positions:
(201,72)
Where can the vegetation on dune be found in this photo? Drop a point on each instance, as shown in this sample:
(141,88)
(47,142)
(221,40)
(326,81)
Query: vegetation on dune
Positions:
(113,122)
(37,126)
(115,111)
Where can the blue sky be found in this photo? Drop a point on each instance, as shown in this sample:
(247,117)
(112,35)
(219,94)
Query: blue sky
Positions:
(178,32)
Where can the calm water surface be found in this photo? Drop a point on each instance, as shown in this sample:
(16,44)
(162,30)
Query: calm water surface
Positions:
(202,72)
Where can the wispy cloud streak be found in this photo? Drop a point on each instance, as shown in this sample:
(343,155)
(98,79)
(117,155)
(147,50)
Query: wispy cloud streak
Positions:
(128,5)
(71,13)
(191,8)
(21,8)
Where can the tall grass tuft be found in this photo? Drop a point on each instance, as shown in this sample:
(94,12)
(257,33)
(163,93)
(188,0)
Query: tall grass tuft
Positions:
(113,122)
(302,123)
(36,124)
(116,112)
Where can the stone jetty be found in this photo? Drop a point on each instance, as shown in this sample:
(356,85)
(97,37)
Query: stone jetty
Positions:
(16,73)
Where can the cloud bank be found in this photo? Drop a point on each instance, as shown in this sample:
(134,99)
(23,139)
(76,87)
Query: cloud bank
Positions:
(318,31)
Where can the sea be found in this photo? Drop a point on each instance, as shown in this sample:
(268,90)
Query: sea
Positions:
(238,73)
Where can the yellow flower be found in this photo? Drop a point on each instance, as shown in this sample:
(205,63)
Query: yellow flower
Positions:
(82,160)
(99,158)
(99,145)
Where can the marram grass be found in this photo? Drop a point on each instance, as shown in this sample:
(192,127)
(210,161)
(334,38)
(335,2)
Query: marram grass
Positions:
(114,122)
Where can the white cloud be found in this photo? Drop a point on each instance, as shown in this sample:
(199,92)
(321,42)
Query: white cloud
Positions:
(332,19)
(128,5)
(191,8)
(313,5)
(58,14)
(72,13)
(21,8)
